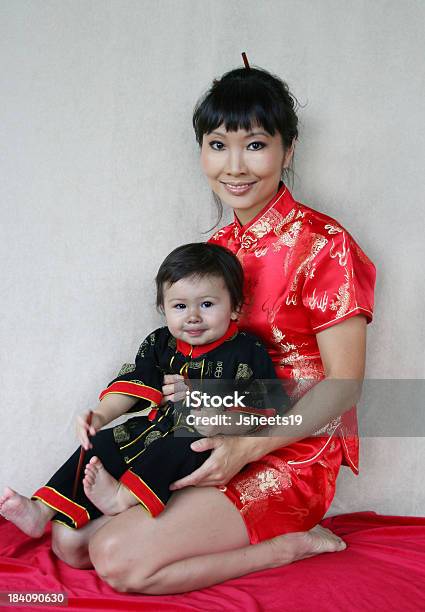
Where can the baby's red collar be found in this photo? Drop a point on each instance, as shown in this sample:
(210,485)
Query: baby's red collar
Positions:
(195,351)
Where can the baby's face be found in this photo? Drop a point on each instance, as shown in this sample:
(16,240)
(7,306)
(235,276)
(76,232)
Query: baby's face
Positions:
(198,310)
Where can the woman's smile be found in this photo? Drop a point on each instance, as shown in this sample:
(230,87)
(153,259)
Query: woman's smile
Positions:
(238,189)
(244,168)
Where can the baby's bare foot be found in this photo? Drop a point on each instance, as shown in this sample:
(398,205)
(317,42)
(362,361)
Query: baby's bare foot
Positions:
(30,516)
(301,545)
(104,491)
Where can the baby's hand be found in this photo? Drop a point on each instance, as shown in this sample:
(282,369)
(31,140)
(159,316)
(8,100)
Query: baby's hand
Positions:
(174,388)
(84,430)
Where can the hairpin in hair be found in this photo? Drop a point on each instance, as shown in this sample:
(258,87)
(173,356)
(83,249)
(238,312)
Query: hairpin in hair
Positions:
(245,61)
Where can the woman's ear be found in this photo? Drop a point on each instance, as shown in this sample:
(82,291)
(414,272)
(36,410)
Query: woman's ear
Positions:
(289,153)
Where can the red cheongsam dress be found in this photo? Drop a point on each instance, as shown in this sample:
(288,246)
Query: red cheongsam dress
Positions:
(303,274)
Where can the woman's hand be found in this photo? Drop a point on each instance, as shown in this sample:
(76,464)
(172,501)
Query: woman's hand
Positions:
(203,419)
(230,454)
(84,430)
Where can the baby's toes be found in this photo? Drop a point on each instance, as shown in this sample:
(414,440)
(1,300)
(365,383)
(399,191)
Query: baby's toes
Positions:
(89,480)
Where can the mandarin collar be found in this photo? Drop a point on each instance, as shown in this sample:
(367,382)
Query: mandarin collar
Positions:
(188,350)
(282,201)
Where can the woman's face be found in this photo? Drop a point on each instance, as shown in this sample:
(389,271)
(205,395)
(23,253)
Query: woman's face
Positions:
(244,168)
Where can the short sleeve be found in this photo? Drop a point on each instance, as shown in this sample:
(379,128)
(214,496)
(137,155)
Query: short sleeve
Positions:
(143,379)
(339,282)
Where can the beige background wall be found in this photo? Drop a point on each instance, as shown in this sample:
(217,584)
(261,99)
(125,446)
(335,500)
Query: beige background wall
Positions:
(100,179)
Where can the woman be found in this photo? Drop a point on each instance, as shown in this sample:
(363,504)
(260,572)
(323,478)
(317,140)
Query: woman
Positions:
(309,292)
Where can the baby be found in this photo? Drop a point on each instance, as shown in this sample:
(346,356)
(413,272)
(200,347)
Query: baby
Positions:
(200,292)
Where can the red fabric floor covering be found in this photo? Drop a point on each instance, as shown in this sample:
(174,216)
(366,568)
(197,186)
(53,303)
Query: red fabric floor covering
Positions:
(383,568)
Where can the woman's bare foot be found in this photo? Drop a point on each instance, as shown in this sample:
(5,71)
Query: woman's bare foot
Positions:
(104,491)
(301,545)
(30,516)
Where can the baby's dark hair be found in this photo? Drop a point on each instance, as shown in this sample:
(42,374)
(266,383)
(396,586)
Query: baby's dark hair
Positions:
(242,99)
(201,259)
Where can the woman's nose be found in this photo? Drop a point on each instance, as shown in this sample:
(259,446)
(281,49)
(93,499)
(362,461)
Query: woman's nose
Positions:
(235,162)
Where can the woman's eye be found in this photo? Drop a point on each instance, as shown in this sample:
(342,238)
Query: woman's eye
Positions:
(256,146)
(216,145)
(207,304)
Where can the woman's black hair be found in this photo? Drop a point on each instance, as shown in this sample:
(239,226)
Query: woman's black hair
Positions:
(242,99)
(201,259)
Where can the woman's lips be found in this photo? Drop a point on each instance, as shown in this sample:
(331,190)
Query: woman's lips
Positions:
(240,189)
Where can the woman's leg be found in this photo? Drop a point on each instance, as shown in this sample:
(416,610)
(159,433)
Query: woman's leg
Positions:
(71,545)
(199,540)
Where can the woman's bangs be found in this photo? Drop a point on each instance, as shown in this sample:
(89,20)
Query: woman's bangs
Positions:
(248,119)
(237,111)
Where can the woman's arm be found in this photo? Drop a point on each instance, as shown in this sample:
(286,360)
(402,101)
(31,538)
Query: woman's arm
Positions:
(343,352)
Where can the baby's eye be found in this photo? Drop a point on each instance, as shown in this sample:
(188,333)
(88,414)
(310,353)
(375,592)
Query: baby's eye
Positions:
(256,146)
(206,304)
(180,306)
(216,145)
